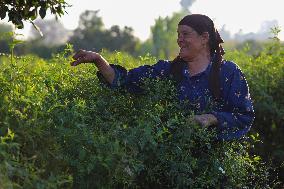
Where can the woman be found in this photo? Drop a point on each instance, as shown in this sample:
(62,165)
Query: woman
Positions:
(202,75)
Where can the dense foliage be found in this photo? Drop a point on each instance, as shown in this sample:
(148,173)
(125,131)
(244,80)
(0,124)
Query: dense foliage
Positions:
(22,10)
(61,128)
(265,74)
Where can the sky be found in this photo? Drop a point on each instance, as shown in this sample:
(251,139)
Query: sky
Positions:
(236,15)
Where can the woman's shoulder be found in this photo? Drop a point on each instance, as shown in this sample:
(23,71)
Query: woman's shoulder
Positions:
(162,65)
(163,62)
(159,65)
(229,67)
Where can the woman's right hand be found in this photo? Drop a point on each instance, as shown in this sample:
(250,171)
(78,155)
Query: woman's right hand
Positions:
(83,56)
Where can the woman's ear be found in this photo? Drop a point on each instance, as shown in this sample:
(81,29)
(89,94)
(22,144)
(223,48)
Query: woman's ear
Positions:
(205,37)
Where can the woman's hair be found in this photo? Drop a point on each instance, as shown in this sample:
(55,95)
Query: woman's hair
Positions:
(201,23)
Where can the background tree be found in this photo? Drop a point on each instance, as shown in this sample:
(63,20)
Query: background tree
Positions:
(18,11)
(54,33)
(4,46)
(122,40)
(92,35)
(53,40)
(90,32)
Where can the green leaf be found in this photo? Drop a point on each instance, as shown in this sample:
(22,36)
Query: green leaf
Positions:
(42,12)
(20,25)
(33,14)
(2,12)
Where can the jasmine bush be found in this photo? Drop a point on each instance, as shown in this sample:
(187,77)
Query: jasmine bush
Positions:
(62,128)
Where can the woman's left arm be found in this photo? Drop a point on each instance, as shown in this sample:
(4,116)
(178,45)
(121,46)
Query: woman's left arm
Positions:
(236,116)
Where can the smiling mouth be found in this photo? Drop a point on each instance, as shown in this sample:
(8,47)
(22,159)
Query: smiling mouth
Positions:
(183,51)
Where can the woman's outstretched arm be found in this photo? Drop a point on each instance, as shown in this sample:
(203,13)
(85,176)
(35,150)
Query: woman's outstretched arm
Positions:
(83,56)
(117,76)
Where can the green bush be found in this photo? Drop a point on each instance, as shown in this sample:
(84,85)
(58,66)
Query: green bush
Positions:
(66,130)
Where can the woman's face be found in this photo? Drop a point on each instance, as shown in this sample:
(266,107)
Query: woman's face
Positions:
(190,42)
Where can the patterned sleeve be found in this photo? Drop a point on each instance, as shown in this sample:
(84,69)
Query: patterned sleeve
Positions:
(132,79)
(237,115)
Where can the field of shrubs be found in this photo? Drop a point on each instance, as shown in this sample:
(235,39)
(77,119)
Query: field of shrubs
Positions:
(61,128)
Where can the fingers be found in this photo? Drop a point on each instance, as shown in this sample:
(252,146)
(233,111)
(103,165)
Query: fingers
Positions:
(206,119)
(199,119)
(202,120)
(79,54)
(78,61)
(75,63)
(83,56)
(79,57)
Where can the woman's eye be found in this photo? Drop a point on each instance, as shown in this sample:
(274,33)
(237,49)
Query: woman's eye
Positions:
(185,34)
(182,34)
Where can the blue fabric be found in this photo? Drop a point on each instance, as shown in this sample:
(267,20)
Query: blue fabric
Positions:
(234,111)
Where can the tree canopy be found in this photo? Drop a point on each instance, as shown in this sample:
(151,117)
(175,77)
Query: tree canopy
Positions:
(91,34)
(18,11)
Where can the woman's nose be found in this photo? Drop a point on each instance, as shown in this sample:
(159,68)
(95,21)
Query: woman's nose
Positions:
(179,40)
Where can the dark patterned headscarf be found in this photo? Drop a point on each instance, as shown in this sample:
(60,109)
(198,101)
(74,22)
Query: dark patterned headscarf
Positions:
(201,23)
